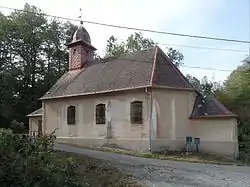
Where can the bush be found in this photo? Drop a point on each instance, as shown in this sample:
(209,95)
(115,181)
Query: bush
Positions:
(17,127)
(29,162)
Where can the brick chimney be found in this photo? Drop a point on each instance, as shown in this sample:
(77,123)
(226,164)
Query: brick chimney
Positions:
(80,49)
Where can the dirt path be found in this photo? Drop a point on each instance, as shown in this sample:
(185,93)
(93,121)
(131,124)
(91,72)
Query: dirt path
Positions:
(162,173)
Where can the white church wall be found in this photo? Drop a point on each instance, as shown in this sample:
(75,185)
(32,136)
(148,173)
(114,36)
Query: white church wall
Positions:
(117,104)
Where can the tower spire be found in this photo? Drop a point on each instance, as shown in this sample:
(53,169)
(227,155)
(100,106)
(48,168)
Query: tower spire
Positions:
(80,16)
(80,49)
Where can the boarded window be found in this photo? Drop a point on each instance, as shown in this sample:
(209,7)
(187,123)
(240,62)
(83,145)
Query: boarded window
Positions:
(71,115)
(136,112)
(100,114)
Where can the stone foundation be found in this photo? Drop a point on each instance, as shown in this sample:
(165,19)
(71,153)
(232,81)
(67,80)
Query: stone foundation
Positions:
(222,148)
(127,144)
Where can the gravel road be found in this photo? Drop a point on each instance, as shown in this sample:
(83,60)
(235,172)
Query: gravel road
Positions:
(164,173)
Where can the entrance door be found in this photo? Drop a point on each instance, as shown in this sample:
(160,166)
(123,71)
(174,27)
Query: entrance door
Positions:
(40,127)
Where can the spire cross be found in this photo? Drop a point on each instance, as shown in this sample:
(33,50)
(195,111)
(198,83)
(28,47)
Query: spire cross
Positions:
(81,17)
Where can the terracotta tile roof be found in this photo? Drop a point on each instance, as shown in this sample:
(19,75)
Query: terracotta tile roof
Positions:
(167,74)
(36,113)
(146,68)
(129,71)
(209,107)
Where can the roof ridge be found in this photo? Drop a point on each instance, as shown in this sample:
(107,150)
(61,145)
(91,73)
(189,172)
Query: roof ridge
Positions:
(153,67)
(129,53)
(109,58)
(176,69)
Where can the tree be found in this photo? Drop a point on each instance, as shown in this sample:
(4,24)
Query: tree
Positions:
(69,30)
(204,86)
(236,95)
(136,42)
(194,81)
(29,41)
(175,56)
(33,56)
(7,80)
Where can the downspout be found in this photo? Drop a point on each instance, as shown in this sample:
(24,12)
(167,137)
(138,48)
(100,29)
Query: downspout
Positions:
(150,128)
(151,97)
(150,116)
(43,118)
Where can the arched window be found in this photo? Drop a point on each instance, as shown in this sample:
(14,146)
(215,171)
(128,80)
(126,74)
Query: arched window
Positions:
(71,115)
(136,112)
(100,114)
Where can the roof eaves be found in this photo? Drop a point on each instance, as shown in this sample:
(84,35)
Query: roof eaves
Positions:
(34,115)
(213,116)
(37,112)
(77,42)
(172,88)
(93,93)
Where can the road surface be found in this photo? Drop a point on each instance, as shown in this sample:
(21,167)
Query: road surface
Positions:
(165,173)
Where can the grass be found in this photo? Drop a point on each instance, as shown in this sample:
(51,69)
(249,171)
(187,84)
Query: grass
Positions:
(97,173)
(174,156)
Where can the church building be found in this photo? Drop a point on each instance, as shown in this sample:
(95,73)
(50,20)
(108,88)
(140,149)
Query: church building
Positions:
(138,101)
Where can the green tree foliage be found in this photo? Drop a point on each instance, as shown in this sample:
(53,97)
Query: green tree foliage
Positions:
(236,96)
(175,56)
(194,81)
(33,56)
(27,162)
(234,93)
(204,86)
(136,42)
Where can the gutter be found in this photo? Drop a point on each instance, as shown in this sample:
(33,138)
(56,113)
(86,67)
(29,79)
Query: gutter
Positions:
(34,115)
(212,117)
(93,93)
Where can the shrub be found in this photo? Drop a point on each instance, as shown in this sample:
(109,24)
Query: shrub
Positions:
(17,127)
(29,162)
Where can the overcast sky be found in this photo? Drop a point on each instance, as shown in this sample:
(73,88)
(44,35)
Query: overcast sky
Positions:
(215,18)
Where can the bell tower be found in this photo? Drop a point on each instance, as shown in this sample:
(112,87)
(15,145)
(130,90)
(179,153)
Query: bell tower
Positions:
(80,49)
